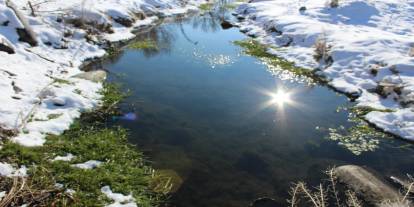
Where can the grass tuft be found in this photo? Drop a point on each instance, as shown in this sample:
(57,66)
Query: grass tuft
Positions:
(143,44)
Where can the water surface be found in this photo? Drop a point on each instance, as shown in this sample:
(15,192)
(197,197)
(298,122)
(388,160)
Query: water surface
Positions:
(205,111)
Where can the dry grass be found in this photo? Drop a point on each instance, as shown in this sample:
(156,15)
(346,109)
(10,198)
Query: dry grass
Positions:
(328,194)
(322,51)
(22,190)
(411,52)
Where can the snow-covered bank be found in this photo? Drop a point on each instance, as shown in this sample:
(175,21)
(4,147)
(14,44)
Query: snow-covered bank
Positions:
(367,49)
(39,94)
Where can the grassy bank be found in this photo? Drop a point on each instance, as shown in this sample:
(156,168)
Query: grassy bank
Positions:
(123,168)
(254,48)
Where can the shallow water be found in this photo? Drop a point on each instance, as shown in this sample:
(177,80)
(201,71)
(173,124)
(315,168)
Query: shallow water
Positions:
(205,111)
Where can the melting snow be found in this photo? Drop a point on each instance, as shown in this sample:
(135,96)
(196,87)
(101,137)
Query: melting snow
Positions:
(119,199)
(88,165)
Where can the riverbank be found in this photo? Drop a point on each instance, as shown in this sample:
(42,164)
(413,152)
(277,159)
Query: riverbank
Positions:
(368,56)
(43,47)
(88,165)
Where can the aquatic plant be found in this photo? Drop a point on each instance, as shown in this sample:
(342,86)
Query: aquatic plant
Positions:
(357,139)
(361,137)
(274,63)
(143,44)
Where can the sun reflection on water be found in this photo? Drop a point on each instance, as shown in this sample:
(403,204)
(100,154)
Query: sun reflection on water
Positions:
(281,97)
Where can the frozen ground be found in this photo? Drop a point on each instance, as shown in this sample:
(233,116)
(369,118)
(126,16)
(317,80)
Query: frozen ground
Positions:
(39,94)
(369,49)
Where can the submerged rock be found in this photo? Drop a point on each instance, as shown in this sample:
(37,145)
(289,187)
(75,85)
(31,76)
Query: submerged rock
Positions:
(372,188)
(95,76)
(264,202)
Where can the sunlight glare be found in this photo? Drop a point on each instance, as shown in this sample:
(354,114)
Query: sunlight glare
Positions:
(280,98)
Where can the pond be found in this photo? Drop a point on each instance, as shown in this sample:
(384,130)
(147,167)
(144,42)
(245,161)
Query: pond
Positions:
(229,127)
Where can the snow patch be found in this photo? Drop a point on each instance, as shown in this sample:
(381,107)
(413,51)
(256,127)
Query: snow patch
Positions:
(68,157)
(91,164)
(119,199)
(9,171)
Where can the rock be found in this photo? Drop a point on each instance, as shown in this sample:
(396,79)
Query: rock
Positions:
(126,22)
(264,202)
(373,189)
(26,36)
(58,101)
(240,17)
(6,46)
(140,15)
(95,76)
(226,24)
(16,88)
(302,9)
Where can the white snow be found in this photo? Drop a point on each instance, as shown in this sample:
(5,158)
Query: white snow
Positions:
(67,157)
(91,164)
(365,37)
(119,199)
(8,170)
(29,92)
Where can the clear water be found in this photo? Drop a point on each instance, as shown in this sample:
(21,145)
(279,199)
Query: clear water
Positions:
(204,112)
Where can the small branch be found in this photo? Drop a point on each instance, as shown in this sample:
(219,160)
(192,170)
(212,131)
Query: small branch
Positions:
(32,9)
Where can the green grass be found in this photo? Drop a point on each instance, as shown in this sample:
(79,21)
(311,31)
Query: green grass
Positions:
(143,44)
(362,111)
(231,6)
(124,168)
(254,48)
(61,81)
(206,6)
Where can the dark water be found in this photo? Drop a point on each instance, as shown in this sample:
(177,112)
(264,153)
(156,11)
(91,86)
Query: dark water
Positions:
(203,112)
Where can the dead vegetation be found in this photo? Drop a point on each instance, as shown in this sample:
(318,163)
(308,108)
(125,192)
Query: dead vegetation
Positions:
(329,193)
(322,51)
(411,52)
(7,133)
(21,190)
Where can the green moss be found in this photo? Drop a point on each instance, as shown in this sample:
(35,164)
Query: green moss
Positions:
(362,111)
(143,44)
(254,48)
(77,91)
(205,6)
(61,81)
(124,168)
(112,51)
(53,116)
